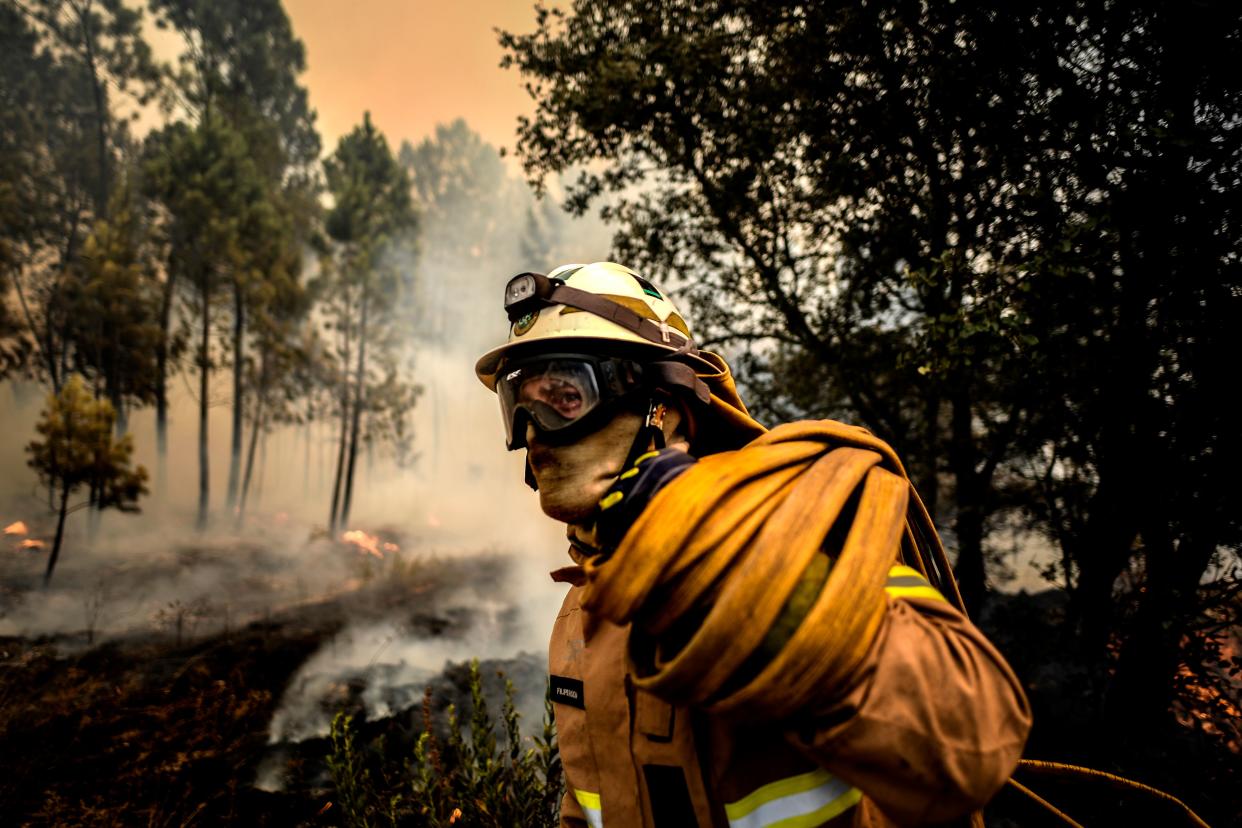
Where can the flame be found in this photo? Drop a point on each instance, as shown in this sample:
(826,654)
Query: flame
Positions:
(19,528)
(456,815)
(365,542)
(433,521)
(1216,713)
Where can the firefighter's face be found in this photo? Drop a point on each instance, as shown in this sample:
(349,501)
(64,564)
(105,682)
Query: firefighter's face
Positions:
(572,478)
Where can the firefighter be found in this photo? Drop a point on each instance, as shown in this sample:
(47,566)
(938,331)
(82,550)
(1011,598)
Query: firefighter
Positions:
(639,442)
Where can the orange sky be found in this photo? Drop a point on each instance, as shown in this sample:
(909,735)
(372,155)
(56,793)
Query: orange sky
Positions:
(412,64)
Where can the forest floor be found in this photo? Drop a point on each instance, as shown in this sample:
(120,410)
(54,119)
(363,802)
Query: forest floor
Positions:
(144,729)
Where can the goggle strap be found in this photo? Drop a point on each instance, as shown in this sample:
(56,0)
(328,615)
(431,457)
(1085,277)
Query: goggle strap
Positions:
(618,314)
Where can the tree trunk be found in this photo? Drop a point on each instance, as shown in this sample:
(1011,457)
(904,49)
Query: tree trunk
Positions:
(122,417)
(161,381)
(92,515)
(261,474)
(1121,450)
(341,448)
(45,349)
(357,419)
(99,92)
(1101,553)
(254,442)
(114,382)
(204,476)
(322,453)
(1143,688)
(339,478)
(60,535)
(239,332)
(969,494)
(370,456)
(307,434)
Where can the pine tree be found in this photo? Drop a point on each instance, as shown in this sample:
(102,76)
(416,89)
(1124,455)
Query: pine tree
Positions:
(371,222)
(78,450)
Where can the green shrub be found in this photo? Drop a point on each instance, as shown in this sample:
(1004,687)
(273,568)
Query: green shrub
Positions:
(350,776)
(455,781)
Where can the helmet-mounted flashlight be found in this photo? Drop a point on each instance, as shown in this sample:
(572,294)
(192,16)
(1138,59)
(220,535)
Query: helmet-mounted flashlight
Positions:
(528,292)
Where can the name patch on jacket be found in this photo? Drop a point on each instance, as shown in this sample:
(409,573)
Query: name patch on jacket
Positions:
(568,691)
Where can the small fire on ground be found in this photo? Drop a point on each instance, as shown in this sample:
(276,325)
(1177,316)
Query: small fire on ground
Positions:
(369,544)
(19,528)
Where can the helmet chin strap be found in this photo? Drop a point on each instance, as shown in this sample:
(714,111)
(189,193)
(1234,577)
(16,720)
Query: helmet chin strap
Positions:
(650,436)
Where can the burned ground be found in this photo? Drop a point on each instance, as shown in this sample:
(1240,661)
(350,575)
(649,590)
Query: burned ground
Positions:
(146,732)
(145,729)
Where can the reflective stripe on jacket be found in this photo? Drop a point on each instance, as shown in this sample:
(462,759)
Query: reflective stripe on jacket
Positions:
(933,725)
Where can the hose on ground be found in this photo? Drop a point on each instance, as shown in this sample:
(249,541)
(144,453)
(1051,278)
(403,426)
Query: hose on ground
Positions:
(1062,769)
(1043,803)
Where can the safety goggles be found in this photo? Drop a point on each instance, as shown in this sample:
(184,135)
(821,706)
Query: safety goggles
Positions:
(563,395)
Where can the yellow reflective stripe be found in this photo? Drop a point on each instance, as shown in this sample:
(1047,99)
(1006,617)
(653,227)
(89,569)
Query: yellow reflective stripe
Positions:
(646,456)
(610,500)
(627,475)
(776,790)
(929,592)
(587,799)
(902,571)
(904,582)
(822,814)
(802,801)
(591,807)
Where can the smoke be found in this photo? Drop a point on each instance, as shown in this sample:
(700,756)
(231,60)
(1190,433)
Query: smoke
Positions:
(390,661)
(465,494)
(459,511)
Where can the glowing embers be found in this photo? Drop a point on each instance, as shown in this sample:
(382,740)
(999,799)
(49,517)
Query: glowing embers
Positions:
(368,544)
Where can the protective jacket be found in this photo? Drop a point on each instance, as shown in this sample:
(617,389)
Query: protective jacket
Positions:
(928,730)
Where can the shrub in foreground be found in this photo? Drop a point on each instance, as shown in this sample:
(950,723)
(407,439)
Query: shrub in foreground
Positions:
(468,778)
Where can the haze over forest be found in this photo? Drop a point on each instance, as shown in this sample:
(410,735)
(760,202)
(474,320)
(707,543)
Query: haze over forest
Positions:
(472,222)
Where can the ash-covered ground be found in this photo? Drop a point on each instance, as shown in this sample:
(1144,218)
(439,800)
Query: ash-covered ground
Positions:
(196,684)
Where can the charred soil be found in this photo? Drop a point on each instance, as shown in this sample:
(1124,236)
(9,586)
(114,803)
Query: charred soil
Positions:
(146,729)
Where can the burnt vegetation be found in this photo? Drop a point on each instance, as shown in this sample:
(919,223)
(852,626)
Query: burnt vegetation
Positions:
(171,726)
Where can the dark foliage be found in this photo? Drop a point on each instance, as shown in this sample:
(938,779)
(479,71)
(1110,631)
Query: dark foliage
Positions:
(1007,241)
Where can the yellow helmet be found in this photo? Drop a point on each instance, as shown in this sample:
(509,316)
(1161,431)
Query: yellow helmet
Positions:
(607,309)
(544,322)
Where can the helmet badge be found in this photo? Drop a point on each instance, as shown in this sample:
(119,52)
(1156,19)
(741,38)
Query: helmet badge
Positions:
(525,322)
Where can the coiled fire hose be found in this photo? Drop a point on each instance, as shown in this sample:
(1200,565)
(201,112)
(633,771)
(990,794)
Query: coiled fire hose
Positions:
(816,513)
